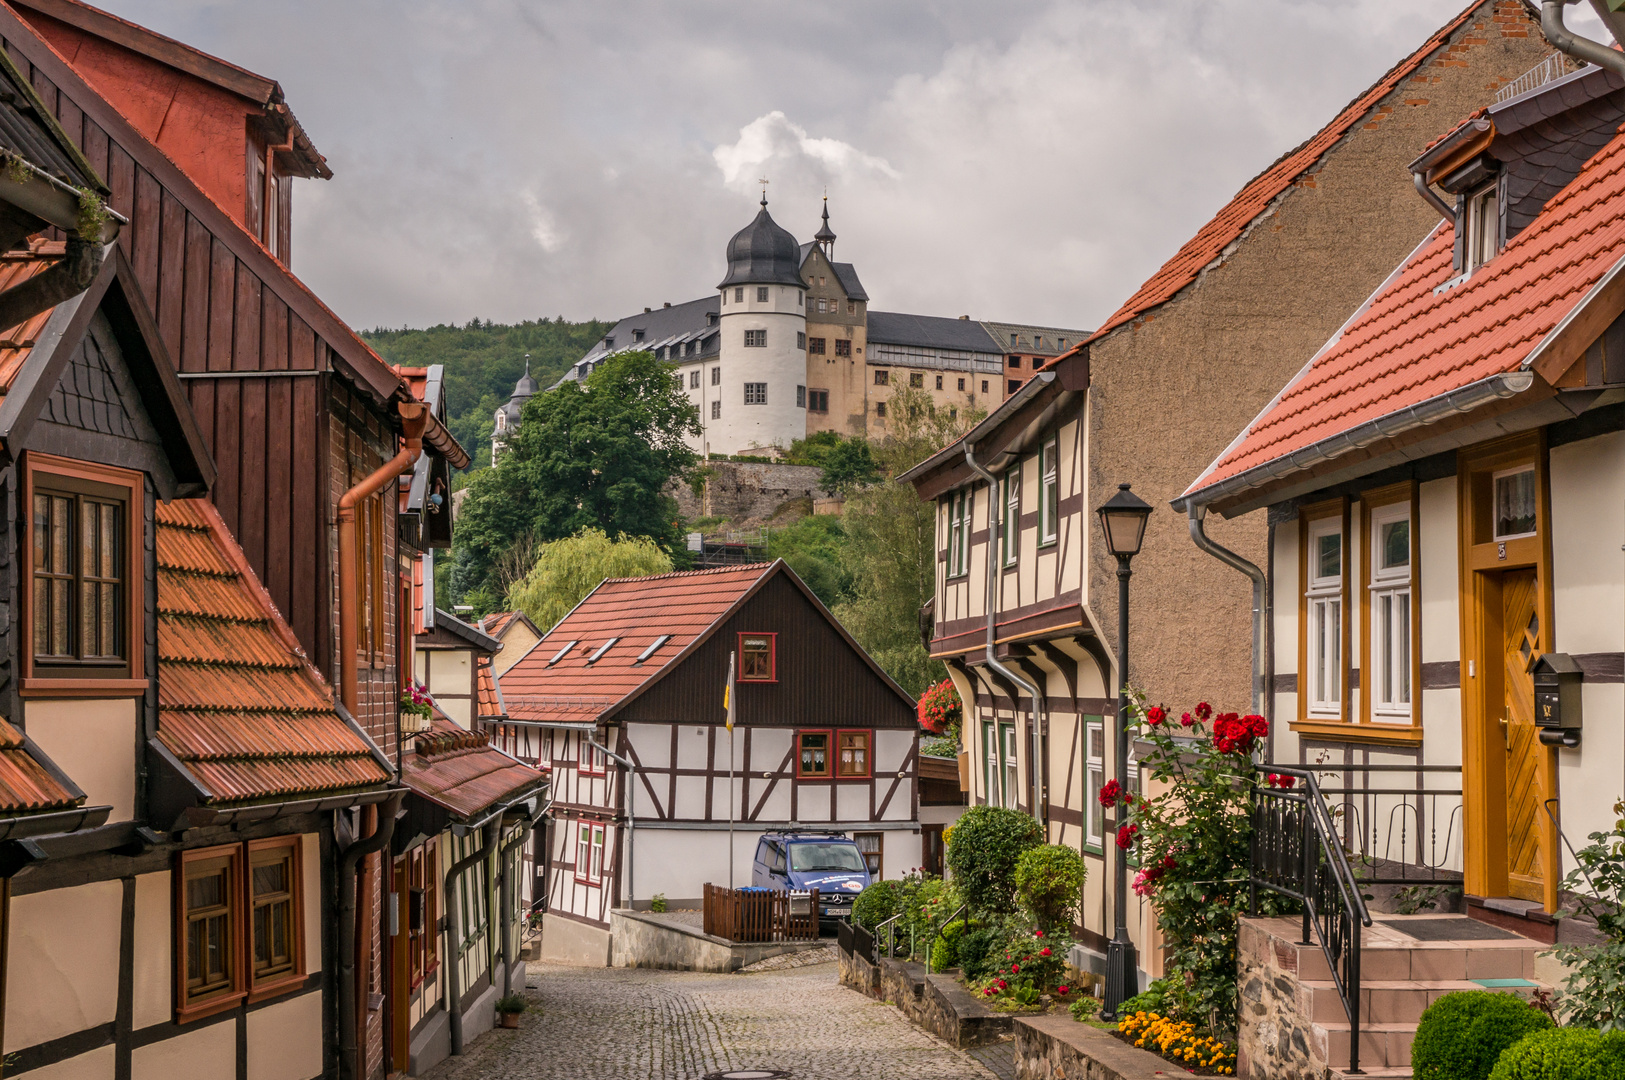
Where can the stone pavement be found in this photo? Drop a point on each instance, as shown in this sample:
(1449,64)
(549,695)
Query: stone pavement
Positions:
(637,1024)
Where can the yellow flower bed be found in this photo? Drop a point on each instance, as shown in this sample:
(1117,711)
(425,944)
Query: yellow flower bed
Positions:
(1178,1041)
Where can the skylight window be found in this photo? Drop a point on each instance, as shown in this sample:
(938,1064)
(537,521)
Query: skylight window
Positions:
(1483,226)
(602,649)
(650,651)
(562,653)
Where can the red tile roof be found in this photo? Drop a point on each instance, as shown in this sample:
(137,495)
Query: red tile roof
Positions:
(238,703)
(636,611)
(498,621)
(1414,342)
(17,342)
(462,772)
(25,786)
(1255,198)
(490,703)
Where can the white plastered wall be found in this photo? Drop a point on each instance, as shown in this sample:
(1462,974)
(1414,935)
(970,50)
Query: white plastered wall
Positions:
(94,743)
(154,973)
(1588,593)
(63,963)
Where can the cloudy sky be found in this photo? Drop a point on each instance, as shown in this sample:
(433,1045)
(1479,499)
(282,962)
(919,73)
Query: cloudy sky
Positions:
(1026,160)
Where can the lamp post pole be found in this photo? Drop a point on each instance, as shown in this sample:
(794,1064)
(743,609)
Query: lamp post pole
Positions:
(1122,519)
(1121,962)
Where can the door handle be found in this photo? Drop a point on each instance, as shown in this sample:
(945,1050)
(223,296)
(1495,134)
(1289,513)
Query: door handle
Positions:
(1505,722)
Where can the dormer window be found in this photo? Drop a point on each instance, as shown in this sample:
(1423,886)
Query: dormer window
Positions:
(1482,226)
(637,335)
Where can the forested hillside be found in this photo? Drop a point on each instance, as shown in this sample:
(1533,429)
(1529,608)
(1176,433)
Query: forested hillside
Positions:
(483,360)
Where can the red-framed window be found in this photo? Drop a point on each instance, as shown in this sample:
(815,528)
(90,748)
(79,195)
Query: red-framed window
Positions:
(815,753)
(758,658)
(589,853)
(592,761)
(853,750)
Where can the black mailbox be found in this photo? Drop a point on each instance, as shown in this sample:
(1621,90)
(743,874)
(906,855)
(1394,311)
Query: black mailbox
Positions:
(1557,699)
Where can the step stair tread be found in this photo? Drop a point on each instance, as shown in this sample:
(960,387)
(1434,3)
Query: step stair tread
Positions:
(1431,984)
(1330,1025)
(1376,1072)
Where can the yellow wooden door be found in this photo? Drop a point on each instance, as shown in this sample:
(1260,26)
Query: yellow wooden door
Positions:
(1525,776)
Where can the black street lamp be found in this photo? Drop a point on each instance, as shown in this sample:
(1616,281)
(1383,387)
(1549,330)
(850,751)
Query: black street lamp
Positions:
(1122,519)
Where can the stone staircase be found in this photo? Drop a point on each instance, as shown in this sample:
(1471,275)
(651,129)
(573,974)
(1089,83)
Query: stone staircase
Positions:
(1292,1020)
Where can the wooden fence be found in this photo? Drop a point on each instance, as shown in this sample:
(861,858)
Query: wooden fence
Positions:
(756,915)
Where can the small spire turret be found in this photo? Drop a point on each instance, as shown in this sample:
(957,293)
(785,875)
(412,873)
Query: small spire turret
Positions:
(825,236)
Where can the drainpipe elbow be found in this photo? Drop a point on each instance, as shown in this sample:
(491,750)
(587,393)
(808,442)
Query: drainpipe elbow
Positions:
(1592,52)
(1424,189)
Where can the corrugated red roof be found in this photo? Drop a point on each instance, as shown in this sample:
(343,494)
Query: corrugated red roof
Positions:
(238,703)
(462,772)
(636,611)
(1414,341)
(1252,200)
(25,786)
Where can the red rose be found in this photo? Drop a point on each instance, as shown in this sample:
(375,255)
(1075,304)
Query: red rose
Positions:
(1125,836)
(1168,862)
(1038,933)
(1203,710)
(1014,968)
(1187,720)
(1061,990)
(1288,781)
(1044,951)
(1109,793)
(988,992)
(1155,715)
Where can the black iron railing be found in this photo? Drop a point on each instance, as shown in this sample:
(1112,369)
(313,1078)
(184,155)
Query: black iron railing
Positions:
(1393,834)
(1296,852)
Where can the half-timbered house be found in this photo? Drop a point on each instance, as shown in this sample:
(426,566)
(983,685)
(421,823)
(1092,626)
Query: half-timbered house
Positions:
(516,633)
(1445,481)
(308,428)
(623,700)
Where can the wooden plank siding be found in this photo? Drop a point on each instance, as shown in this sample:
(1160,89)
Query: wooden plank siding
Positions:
(218,312)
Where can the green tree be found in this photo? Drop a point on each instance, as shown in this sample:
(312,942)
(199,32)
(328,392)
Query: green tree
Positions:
(891,543)
(567,570)
(815,548)
(847,466)
(596,456)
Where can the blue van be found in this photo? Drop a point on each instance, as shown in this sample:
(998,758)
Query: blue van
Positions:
(826,861)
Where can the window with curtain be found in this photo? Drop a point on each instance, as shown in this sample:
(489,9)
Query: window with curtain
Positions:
(1389,623)
(1012,514)
(1323,609)
(1049,500)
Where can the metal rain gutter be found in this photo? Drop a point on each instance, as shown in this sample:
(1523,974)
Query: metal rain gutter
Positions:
(1592,52)
(1424,189)
(631,821)
(1464,399)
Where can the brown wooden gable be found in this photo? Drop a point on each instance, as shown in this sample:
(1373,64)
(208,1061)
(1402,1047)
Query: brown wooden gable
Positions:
(253,345)
(824,679)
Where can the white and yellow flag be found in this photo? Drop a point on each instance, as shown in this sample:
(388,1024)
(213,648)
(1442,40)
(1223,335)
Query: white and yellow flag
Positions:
(728,693)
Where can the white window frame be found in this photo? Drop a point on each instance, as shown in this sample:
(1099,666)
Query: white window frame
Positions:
(1011,772)
(1323,615)
(595,872)
(583,851)
(1049,491)
(1495,508)
(1010,534)
(1389,621)
(967,515)
(991,771)
(956,503)
(1483,239)
(1094,749)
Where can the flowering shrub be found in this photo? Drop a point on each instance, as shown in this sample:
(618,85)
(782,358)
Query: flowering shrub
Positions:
(940,709)
(416,701)
(1192,843)
(1179,1042)
(1034,964)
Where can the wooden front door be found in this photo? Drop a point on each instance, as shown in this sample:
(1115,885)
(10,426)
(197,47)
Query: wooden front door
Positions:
(1525,756)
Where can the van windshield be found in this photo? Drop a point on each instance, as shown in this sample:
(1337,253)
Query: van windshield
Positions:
(826,857)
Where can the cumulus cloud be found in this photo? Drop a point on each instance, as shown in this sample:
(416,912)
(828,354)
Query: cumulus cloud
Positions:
(1034,159)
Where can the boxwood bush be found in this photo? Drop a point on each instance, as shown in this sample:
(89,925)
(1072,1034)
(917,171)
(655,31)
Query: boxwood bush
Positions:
(1564,1054)
(1461,1036)
(945,950)
(982,853)
(979,951)
(1049,884)
(877,903)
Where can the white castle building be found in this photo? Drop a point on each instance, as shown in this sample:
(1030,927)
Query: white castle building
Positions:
(788,346)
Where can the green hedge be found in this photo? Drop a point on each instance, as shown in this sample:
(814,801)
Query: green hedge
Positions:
(983,850)
(1461,1036)
(1564,1054)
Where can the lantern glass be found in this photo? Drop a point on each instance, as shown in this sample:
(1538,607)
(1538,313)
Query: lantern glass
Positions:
(1123,519)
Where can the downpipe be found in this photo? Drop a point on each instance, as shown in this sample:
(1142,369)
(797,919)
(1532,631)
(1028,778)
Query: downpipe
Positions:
(631,820)
(1035,772)
(454,931)
(1591,52)
(350,1066)
(1200,538)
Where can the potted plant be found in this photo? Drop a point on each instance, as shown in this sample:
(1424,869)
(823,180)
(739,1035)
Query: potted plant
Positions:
(416,709)
(509,1007)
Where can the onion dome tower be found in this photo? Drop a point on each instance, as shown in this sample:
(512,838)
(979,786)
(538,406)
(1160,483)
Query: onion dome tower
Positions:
(506,418)
(759,397)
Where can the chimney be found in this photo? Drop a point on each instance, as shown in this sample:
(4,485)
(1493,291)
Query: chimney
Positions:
(666,304)
(964,318)
(646,311)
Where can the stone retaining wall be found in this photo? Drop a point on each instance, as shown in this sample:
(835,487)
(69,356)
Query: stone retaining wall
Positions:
(642,940)
(746,492)
(1057,1047)
(1275,1037)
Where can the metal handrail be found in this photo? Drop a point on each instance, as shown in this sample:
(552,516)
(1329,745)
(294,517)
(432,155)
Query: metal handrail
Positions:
(931,942)
(1563,836)
(891,934)
(1333,906)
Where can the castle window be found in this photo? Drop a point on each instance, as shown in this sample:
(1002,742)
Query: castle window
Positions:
(962,384)
(716,410)
(756,393)
(916,379)
(818,401)
(984,386)
(851,307)
(694,379)
(761,294)
(815,346)
(609,343)
(637,335)
(939,382)
(880,409)
(678,379)
(755,339)
(716,377)
(1012,341)
(801,397)
(1015,361)
(801,340)
(1013,385)
(843,347)
(882,378)
(739,296)
(710,318)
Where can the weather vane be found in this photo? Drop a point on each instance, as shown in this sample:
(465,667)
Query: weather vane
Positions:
(763,182)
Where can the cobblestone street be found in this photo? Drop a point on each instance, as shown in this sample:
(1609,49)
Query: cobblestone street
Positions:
(619,1024)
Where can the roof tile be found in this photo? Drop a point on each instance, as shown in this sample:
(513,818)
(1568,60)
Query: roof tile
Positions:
(462,772)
